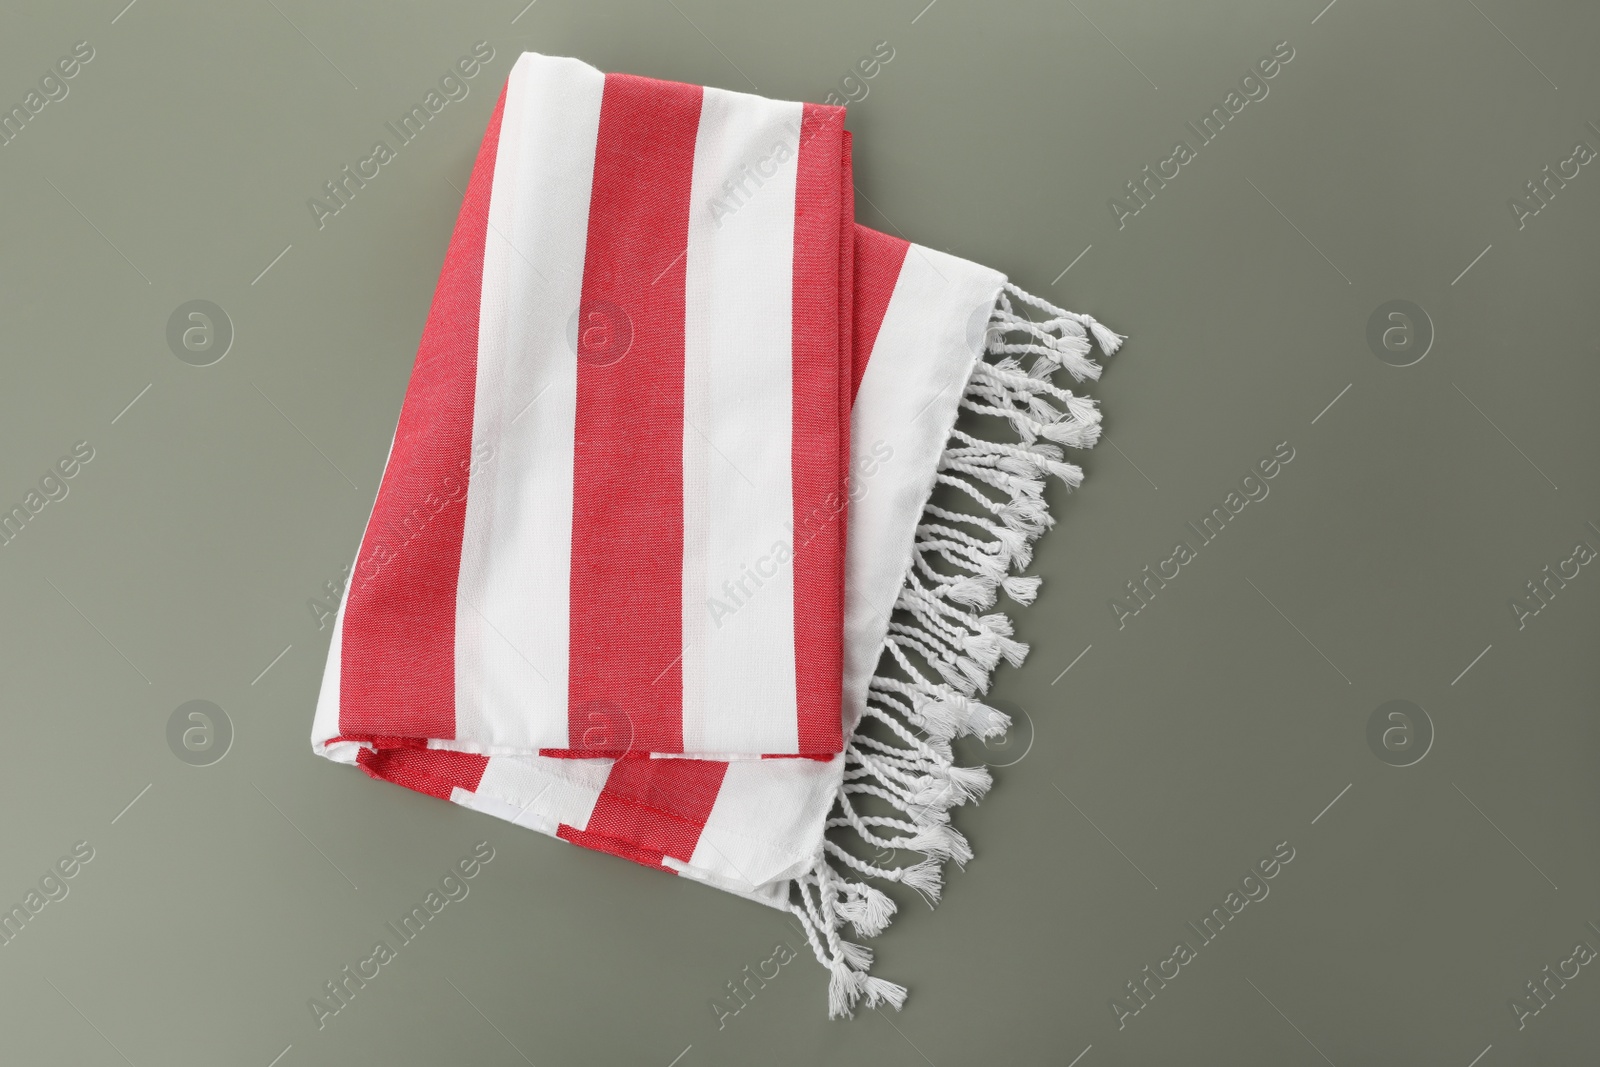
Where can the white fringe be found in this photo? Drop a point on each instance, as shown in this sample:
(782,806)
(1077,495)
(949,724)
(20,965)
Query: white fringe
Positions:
(943,632)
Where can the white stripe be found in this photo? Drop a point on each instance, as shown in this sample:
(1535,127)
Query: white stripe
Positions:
(931,337)
(738,575)
(767,821)
(513,590)
(536,792)
(325,724)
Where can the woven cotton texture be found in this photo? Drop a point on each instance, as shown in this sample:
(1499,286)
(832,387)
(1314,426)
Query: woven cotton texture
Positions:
(655,565)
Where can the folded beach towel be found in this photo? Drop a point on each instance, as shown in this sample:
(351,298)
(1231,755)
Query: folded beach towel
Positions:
(678,553)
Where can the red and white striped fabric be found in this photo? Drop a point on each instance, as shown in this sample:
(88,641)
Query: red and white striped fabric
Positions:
(608,578)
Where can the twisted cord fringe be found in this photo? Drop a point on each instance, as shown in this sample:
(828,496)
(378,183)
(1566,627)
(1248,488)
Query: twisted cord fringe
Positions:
(947,650)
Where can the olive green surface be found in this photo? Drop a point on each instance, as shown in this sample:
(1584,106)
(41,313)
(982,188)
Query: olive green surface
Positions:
(1347,278)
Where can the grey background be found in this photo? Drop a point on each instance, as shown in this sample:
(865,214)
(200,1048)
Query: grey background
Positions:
(1176,752)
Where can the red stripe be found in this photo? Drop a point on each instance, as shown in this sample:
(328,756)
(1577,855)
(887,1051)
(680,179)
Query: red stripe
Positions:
(650,809)
(847,266)
(433,771)
(878,261)
(397,671)
(818,491)
(847,286)
(626,623)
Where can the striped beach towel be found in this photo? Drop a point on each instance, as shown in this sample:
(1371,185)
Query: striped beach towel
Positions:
(679,553)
